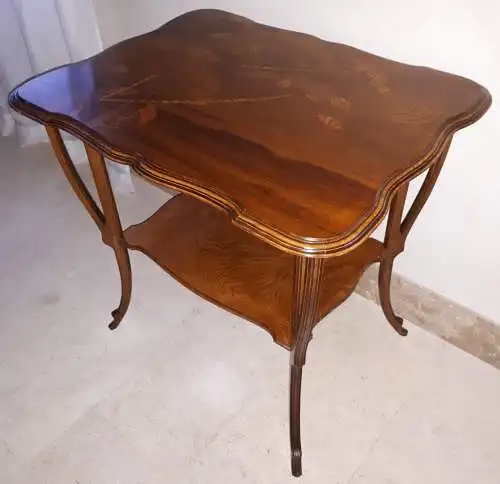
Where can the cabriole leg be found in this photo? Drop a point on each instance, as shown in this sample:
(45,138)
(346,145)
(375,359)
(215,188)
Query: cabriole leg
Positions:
(123,261)
(108,222)
(397,231)
(112,231)
(384,285)
(394,244)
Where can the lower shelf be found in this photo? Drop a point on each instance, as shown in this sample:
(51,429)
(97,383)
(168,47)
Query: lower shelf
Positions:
(199,246)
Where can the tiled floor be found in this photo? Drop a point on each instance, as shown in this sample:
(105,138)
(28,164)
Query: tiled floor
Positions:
(183,392)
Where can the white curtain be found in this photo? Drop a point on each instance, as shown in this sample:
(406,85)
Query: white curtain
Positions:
(36,35)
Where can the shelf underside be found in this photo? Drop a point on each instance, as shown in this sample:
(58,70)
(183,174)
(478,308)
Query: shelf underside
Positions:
(200,247)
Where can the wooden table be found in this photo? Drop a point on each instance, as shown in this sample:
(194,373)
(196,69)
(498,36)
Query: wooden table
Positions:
(288,151)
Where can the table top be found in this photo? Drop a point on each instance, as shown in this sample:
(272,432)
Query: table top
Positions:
(302,141)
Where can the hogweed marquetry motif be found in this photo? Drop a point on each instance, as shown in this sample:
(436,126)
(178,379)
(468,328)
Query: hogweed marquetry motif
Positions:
(261,104)
(290,149)
(377,79)
(284,83)
(147,113)
(194,102)
(330,121)
(341,103)
(277,68)
(131,88)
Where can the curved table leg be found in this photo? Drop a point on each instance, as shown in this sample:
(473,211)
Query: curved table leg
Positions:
(384,285)
(123,261)
(396,233)
(295,397)
(112,231)
(307,282)
(108,222)
(73,177)
(424,192)
(394,244)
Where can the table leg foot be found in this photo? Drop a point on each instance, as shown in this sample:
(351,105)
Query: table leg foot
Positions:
(297,463)
(384,285)
(295,391)
(118,314)
(123,261)
(398,326)
(116,319)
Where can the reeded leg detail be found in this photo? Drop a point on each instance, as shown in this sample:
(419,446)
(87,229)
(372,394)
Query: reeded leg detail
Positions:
(307,282)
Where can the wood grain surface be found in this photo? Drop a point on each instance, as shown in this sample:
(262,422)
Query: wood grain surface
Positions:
(303,142)
(196,244)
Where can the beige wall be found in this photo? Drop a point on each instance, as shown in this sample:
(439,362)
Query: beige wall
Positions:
(454,247)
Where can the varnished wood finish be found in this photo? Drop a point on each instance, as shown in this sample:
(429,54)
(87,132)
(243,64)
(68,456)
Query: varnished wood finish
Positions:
(303,142)
(108,223)
(73,177)
(307,281)
(424,193)
(197,245)
(396,233)
(112,232)
(393,244)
